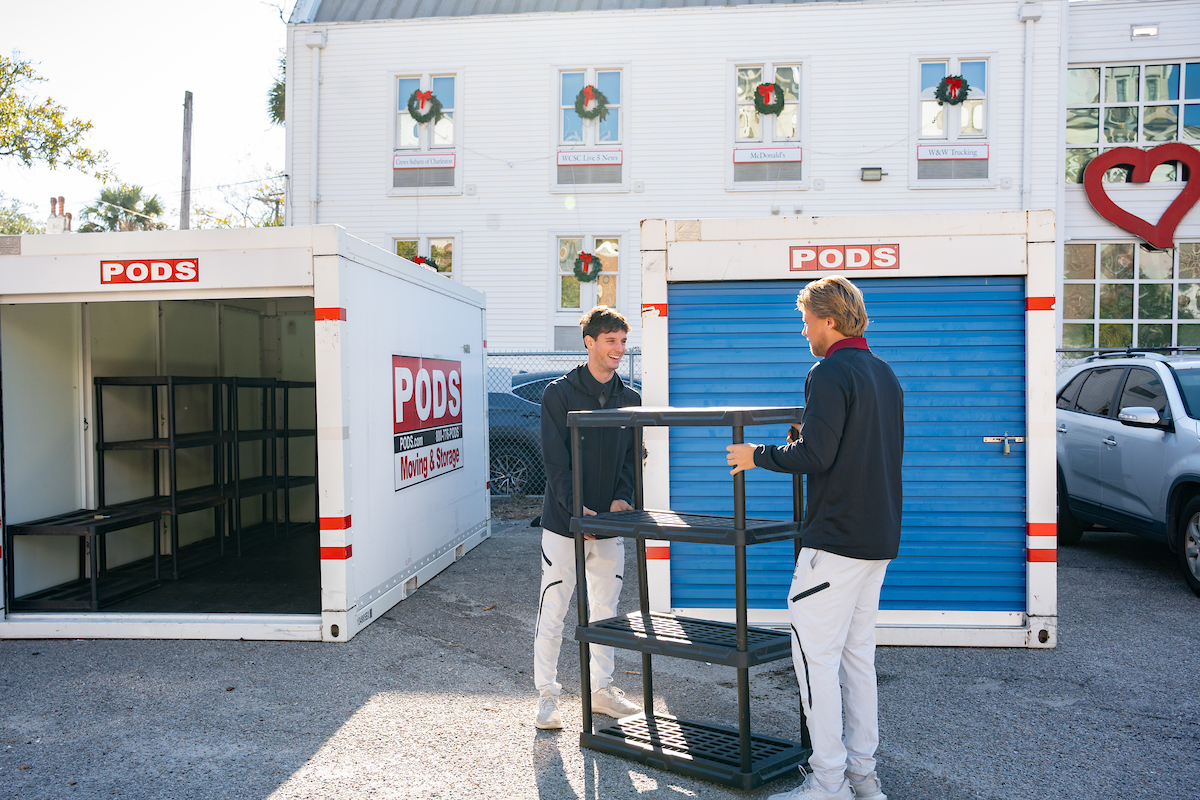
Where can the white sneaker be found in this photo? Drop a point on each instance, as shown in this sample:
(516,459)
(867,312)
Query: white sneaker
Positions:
(611,701)
(547,713)
(811,790)
(866,787)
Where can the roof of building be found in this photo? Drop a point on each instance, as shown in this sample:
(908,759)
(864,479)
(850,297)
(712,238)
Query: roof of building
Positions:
(363,10)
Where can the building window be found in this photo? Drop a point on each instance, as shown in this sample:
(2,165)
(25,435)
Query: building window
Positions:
(1130,105)
(590,151)
(953,138)
(1122,294)
(766,147)
(439,249)
(425,155)
(573,295)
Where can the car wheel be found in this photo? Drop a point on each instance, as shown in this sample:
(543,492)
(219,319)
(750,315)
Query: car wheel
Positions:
(512,471)
(1188,544)
(1070,531)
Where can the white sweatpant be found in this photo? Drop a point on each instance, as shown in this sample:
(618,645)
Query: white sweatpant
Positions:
(833,645)
(604,560)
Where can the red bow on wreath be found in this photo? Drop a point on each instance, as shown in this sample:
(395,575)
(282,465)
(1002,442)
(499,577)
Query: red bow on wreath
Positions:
(764,91)
(953,85)
(419,260)
(586,258)
(424,97)
(589,94)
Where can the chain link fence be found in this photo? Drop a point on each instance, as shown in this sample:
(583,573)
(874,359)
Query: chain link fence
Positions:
(515,381)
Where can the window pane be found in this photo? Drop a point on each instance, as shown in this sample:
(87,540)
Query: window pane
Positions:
(1079,301)
(1162,82)
(1097,393)
(931,76)
(786,122)
(567,250)
(932,119)
(1116,261)
(1154,301)
(1154,335)
(1077,161)
(1165,172)
(443,130)
(976,74)
(1083,85)
(1116,301)
(1066,399)
(972,117)
(748,79)
(1188,304)
(1083,125)
(1189,260)
(1079,261)
(1120,124)
(442,253)
(1117,175)
(609,84)
(606,291)
(1142,387)
(1116,335)
(1161,123)
(1077,335)
(607,250)
(572,84)
(1191,120)
(407,87)
(572,126)
(406,131)
(407,248)
(609,128)
(1121,85)
(1154,264)
(443,88)
(569,296)
(1191,88)
(1189,336)
(785,78)
(748,123)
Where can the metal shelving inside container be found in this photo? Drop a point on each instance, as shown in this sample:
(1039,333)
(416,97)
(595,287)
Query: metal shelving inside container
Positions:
(732,756)
(287,433)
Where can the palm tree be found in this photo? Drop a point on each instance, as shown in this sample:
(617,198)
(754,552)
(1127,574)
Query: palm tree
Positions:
(122,208)
(275,95)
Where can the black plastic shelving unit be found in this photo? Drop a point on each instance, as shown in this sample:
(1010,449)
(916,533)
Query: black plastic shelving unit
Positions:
(731,756)
(287,433)
(265,485)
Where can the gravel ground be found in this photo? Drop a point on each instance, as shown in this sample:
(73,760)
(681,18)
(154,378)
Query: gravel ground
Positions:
(435,700)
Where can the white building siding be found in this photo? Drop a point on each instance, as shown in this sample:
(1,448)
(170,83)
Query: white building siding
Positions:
(858,61)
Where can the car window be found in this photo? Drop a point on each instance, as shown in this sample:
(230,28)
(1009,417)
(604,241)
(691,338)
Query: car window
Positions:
(1188,381)
(1143,388)
(1097,393)
(1067,398)
(532,391)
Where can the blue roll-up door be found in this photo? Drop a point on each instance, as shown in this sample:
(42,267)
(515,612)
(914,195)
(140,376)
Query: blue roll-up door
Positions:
(958,348)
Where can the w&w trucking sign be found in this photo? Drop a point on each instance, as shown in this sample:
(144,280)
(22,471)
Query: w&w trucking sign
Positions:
(428,418)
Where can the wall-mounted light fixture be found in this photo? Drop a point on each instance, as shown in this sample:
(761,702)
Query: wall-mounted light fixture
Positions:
(1143,31)
(873,173)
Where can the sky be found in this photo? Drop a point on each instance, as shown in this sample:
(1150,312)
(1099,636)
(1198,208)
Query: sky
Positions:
(125,65)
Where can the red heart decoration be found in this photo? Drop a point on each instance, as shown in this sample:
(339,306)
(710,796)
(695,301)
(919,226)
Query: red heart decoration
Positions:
(1143,163)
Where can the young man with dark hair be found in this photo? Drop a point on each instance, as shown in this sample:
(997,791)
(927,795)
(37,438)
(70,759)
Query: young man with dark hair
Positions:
(608,486)
(850,445)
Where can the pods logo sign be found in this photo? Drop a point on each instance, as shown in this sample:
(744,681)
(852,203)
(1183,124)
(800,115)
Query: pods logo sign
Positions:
(166,270)
(427,421)
(845,257)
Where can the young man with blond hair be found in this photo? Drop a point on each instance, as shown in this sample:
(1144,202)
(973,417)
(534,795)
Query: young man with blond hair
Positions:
(850,445)
(608,485)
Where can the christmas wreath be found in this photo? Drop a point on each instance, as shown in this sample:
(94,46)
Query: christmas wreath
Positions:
(587,267)
(590,94)
(427,261)
(763,102)
(953,90)
(418,100)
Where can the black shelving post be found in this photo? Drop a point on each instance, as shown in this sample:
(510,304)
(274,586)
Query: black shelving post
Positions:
(643,577)
(739,572)
(585,650)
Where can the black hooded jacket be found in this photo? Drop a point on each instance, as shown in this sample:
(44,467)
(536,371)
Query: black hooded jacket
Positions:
(607,452)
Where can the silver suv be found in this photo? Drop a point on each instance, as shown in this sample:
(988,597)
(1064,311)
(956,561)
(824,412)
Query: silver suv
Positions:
(1129,450)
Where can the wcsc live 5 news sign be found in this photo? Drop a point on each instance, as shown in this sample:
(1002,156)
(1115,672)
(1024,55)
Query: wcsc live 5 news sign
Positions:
(427,398)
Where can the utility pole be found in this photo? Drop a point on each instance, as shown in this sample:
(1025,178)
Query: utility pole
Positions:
(185,196)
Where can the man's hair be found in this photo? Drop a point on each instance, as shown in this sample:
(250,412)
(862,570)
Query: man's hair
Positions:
(838,298)
(602,319)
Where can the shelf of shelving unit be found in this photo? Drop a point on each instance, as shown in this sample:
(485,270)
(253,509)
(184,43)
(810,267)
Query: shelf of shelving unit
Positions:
(266,484)
(732,756)
(287,433)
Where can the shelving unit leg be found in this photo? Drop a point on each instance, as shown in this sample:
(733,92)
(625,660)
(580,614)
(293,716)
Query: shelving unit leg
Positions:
(585,650)
(643,581)
(739,571)
(797,544)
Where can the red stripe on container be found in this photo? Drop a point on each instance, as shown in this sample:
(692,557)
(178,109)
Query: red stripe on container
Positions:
(662,553)
(335,523)
(1041,528)
(335,553)
(1039,303)
(1042,556)
(660,308)
(333,314)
